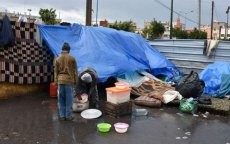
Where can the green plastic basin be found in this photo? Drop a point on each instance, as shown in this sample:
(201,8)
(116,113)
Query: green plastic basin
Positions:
(104,127)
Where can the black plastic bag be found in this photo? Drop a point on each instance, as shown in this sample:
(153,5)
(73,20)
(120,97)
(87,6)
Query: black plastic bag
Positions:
(7,37)
(191,86)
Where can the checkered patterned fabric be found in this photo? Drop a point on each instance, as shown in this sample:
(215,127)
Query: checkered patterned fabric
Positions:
(24,30)
(26,62)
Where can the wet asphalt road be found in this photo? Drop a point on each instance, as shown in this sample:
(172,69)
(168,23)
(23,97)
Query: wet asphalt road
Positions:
(33,120)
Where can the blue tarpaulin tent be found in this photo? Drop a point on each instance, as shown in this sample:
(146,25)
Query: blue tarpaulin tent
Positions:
(108,51)
(216,78)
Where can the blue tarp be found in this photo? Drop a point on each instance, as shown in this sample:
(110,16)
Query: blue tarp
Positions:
(212,75)
(225,86)
(108,51)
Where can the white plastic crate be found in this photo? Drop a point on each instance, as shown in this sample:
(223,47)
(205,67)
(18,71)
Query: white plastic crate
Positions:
(116,95)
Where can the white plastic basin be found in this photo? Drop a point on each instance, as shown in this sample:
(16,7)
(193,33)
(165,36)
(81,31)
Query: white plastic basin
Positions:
(121,127)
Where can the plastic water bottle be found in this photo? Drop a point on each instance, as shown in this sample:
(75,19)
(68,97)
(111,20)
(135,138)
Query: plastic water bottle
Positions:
(190,100)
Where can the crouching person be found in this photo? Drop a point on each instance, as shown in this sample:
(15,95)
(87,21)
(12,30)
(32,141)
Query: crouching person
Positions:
(65,76)
(88,84)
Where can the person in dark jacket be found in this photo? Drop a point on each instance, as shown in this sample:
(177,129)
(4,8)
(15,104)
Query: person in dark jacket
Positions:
(65,76)
(87,83)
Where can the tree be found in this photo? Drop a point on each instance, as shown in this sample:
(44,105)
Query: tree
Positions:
(155,30)
(125,26)
(180,34)
(197,34)
(48,16)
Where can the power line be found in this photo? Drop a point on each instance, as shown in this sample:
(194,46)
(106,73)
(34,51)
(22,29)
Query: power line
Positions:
(165,6)
(217,17)
(218,14)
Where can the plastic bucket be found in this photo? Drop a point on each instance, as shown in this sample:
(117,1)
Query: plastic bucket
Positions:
(53,90)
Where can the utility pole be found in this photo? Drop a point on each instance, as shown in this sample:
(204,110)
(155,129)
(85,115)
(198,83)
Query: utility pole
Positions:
(226,29)
(212,19)
(88,12)
(199,14)
(171,21)
(97,13)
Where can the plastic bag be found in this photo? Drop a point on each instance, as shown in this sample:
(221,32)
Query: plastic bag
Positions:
(188,107)
(170,95)
(191,86)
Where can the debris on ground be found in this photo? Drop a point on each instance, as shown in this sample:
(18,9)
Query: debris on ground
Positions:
(195,115)
(180,114)
(16,133)
(204,116)
(185,137)
(188,133)
(219,106)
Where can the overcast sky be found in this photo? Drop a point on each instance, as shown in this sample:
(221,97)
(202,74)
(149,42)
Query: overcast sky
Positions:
(136,10)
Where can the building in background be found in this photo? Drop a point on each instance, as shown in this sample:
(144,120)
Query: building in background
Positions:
(166,34)
(138,30)
(103,23)
(178,25)
(219,30)
(217,26)
(16,16)
(207,29)
(224,33)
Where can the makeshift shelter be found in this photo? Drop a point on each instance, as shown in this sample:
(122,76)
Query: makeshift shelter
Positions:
(25,67)
(108,51)
(25,62)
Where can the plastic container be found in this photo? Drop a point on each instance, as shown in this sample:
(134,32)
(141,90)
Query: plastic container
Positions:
(84,99)
(121,127)
(53,90)
(141,112)
(116,95)
(79,107)
(121,85)
(104,127)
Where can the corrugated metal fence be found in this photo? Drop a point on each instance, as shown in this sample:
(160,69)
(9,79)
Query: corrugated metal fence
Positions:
(188,54)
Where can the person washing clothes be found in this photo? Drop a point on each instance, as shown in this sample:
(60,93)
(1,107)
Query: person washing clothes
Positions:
(65,76)
(88,84)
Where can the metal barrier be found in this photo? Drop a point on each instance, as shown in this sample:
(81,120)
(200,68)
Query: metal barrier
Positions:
(188,55)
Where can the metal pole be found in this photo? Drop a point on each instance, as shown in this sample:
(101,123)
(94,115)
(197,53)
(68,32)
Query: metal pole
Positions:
(88,21)
(199,14)
(226,29)
(212,19)
(171,21)
(97,13)
(185,20)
